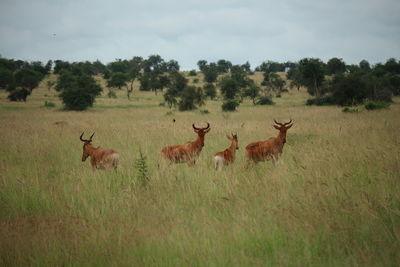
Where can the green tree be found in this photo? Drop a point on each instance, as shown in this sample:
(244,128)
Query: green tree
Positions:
(335,66)
(77,92)
(364,65)
(312,71)
(119,80)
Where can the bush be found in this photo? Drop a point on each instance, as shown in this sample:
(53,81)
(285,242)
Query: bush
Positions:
(19,94)
(210,90)
(371,105)
(204,111)
(48,104)
(264,100)
(192,73)
(78,92)
(321,101)
(230,105)
(350,110)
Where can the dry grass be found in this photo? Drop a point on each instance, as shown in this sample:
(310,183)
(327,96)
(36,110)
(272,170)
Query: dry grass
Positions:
(331,200)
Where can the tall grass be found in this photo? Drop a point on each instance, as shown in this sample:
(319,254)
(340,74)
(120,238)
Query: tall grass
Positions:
(331,200)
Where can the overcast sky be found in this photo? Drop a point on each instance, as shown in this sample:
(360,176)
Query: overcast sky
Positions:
(190,30)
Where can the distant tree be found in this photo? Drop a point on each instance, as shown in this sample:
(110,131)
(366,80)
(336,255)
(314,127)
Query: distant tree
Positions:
(60,65)
(119,80)
(172,66)
(180,94)
(312,71)
(223,66)
(273,81)
(118,66)
(246,67)
(210,90)
(6,78)
(202,64)
(252,92)
(364,65)
(77,92)
(19,94)
(210,72)
(295,77)
(271,66)
(335,66)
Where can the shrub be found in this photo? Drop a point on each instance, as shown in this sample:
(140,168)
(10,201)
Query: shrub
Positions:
(142,170)
(371,105)
(192,73)
(204,111)
(321,101)
(210,90)
(264,100)
(350,110)
(78,92)
(48,104)
(19,94)
(230,105)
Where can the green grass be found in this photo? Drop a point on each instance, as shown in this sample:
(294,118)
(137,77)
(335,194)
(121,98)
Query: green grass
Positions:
(331,200)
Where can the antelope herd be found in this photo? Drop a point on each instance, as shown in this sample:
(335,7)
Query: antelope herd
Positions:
(269,149)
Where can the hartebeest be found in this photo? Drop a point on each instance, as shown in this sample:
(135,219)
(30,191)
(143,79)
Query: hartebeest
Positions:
(227,156)
(270,148)
(188,152)
(99,158)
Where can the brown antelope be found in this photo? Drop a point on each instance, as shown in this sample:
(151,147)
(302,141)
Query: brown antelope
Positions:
(270,148)
(100,158)
(188,152)
(227,156)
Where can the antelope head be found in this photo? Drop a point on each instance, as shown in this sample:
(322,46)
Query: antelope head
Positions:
(86,145)
(234,139)
(283,127)
(201,131)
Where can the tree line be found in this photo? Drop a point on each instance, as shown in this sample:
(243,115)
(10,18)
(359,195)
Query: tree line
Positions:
(333,82)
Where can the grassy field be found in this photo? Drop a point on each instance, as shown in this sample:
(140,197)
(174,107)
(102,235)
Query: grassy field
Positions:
(331,200)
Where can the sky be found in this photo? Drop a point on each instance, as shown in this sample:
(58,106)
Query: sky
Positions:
(191,30)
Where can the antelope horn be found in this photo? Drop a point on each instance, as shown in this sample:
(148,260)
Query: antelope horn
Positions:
(194,127)
(90,139)
(281,124)
(81,137)
(208,126)
(286,123)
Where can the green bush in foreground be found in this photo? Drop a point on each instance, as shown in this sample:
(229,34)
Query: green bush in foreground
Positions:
(371,105)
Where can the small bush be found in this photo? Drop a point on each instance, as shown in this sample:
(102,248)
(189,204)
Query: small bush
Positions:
(192,73)
(350,110)
(142,170)
(371,105)
(196,80)
(264,100)
(204,111)
(19,94)
(321,101)
(48,104)
(230,105)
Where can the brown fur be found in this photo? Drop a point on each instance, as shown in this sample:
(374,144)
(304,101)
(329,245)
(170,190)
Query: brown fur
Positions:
(227,156)
(100,158)
(188,152)
(270,148)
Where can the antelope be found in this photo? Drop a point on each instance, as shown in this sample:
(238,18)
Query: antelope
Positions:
(227,156)
(100,158)
(188,152)
(270,148)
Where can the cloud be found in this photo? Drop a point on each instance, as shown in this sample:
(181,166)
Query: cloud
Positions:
(190,30)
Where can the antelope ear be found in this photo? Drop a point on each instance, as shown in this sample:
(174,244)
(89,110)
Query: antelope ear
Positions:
(229,137)
(277,127)
(206,131)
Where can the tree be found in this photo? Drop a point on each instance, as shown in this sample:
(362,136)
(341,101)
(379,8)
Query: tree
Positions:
(312,71)
(335,66)
(223,66)
(6,78)
(210,90)
(364,65)
(210,72)
(275,82)
(271,66)
(119,80)
(253,92)
(179,93)
(78,92)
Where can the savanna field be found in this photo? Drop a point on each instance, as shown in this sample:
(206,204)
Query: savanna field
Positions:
(332,199)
